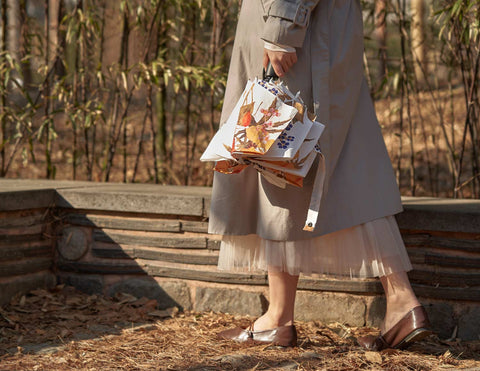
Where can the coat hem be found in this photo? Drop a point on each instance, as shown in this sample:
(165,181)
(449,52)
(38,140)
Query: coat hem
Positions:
(307,235)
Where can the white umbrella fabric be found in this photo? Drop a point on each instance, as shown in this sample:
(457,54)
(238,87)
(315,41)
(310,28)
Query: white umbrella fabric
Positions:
(271,130)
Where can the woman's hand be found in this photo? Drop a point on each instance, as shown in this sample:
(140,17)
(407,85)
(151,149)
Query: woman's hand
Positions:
(281,61)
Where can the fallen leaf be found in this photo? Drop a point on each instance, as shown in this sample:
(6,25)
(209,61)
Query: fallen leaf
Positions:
(123,298)
(373,357)
(169,312)
(141,302)
(65,333)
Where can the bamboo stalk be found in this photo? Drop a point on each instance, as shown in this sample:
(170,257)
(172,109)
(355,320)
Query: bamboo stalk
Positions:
(406,89)
(3,97)
(188,108)
(47,92)
(161,97)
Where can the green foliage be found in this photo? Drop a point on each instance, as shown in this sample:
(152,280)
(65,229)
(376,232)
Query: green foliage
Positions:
(86,88)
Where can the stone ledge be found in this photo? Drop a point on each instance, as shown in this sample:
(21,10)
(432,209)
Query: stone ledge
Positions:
(421,213)
(440,214)
(144,198)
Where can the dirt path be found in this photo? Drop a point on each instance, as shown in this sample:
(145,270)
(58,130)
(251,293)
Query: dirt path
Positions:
(68,330)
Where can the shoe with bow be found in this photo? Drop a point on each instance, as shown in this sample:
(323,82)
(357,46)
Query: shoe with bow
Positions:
(414,326)
(285,336)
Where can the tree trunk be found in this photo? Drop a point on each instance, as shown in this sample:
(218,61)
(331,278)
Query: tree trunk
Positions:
(418,35)
(381,37)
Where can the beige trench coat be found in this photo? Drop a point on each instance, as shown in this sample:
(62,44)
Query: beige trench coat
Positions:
(360,184)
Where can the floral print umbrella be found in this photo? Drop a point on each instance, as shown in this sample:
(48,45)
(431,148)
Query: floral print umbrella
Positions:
(271,130)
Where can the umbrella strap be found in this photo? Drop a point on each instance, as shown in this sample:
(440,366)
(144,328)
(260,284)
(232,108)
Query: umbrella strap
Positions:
(316,197)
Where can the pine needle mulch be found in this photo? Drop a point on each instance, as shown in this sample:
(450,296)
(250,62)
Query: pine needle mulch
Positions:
(64,329)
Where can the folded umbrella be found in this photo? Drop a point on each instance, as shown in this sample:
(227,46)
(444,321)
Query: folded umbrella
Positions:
(271,130)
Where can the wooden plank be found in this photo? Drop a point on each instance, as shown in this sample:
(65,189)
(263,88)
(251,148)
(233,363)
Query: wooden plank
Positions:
(447,293)
(417,239)
(450,279)
(451,261)
(347,285)
(22,230)
(455,244)
(112,251)
(24,238)
(425,240)
(24,266)
(428,257)
(324,284)
(153,240)
(192,226)
(417,256)
(207,276)
(213,244)
(123,223)
(100,267)
(443,293)
(7,220)
(152,254)
(12,252)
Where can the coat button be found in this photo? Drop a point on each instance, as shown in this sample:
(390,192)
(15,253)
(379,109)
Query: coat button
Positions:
(310,224)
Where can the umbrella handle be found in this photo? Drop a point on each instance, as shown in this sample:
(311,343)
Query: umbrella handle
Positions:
(269,74)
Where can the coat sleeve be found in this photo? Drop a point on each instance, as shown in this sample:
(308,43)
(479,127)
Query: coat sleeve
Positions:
(286,21)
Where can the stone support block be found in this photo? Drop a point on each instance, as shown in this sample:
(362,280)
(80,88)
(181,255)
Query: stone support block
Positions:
(88,283)
(376,307)
(167,293)
(330,307)
(442,318)
(229,301)
(469,324)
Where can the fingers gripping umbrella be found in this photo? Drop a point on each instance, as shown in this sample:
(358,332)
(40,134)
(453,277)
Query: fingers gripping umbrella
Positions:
(271,130)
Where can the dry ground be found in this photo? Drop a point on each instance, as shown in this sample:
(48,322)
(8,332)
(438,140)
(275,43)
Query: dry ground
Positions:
(67,330)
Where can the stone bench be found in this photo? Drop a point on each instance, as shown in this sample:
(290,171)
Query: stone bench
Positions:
(151,240)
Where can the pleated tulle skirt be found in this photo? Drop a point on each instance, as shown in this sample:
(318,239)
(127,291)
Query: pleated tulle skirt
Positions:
(372,249)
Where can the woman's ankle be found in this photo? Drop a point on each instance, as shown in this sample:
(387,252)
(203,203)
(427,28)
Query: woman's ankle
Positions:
(396,310)
(270,321)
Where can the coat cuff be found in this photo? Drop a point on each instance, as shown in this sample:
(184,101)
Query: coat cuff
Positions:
(286,22)
(279,48)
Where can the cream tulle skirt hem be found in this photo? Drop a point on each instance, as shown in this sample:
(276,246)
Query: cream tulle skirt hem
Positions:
(372,249)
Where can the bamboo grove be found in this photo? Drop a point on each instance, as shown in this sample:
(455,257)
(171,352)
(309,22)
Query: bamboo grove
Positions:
(132,90)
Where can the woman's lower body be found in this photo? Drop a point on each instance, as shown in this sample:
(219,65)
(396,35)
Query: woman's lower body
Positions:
(372,249)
